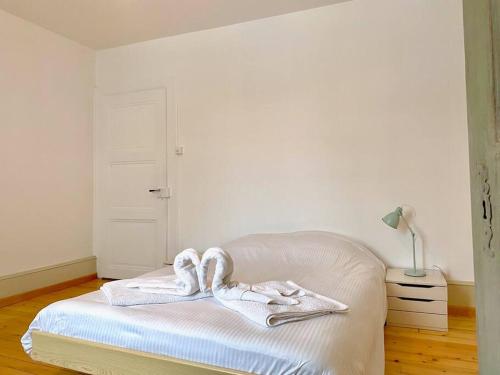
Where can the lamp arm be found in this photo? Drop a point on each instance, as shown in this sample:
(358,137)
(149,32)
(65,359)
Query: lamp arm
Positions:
(408,225)
(413,242)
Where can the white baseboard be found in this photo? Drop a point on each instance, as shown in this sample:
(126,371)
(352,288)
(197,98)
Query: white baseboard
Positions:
(22,282)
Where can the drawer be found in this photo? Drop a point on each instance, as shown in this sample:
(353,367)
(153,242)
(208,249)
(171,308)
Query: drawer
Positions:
(417,291)
(417,320)
(417,305)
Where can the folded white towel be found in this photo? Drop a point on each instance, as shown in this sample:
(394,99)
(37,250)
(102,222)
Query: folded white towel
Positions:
(118,294)
(310,305)
(183,283)
(225,289)
(182,286)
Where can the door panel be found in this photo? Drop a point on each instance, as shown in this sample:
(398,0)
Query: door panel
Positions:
(125,237)
(481,49)
(131,221)
(130,183)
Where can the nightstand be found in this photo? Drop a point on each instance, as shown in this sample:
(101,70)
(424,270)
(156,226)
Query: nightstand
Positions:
(418,302)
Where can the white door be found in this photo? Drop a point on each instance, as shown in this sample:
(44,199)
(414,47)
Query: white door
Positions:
(131,183)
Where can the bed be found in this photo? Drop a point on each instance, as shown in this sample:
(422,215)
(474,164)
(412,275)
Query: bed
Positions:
(202,337)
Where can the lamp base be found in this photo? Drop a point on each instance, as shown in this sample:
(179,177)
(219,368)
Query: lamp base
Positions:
(414,273)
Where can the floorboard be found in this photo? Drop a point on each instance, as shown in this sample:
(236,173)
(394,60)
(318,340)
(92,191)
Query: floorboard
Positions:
(409,351)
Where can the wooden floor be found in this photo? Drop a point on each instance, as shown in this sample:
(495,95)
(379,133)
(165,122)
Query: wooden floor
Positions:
(408,351)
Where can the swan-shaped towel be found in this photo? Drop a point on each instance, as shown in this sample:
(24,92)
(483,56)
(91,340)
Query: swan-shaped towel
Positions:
(181,287)
(183,283)
(225,289)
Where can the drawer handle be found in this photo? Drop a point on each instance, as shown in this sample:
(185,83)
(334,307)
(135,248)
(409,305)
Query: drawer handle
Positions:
(415,299)
(416,285)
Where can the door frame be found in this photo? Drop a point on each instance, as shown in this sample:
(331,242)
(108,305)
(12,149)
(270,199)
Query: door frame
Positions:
(484,154)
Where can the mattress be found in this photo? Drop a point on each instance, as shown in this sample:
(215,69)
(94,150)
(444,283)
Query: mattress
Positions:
(204,331)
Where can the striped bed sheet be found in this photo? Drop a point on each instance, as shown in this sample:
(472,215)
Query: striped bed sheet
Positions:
(206,332)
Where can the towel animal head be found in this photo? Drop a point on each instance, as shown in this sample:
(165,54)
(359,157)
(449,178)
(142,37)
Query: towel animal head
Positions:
(186,265)
(186,259)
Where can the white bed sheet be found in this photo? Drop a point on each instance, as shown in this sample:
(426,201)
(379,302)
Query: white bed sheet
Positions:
(204,331)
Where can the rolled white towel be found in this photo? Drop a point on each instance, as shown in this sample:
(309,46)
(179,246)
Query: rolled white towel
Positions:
(223,268)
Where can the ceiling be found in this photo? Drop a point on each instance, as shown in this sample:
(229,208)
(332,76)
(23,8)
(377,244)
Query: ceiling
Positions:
(109,23)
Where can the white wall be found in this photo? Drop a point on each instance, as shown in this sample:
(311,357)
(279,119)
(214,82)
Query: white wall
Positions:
(323,119)
(46,89)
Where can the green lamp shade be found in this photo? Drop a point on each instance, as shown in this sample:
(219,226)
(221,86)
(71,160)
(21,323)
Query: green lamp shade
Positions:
(392,219)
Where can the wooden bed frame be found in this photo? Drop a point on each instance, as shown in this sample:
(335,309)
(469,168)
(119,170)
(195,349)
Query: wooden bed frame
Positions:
(101,359)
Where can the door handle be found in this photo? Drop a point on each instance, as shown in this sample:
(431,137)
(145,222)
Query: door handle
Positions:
(164,193)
